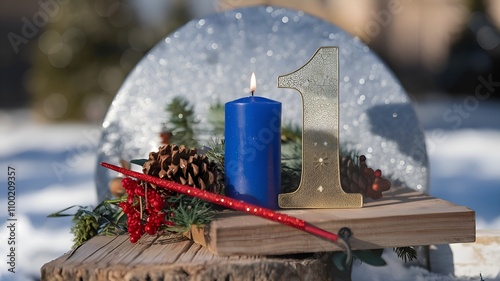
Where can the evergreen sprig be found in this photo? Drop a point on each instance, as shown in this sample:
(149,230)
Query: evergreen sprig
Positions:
(215,152)
(189,211)
(85,226)
(182,122)
(106,218)
(291,134)
(407,254)
(291,166)
(216,119)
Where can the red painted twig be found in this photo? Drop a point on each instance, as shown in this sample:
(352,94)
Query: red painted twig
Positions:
(231,204)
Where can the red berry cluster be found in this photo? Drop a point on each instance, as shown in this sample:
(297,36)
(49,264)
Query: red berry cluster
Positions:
(379,184)
(144,208)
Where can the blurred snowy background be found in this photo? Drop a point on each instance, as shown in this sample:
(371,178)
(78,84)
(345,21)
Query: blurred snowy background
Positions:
(58,78)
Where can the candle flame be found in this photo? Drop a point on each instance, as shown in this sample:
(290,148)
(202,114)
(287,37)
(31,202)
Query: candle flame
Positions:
(253,84)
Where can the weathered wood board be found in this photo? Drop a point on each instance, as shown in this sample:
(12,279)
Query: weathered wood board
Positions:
(403,217)
(174,257)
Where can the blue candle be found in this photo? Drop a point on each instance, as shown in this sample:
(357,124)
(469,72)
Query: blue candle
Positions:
(253,150)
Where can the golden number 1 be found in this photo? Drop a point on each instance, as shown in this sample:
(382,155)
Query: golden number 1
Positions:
(318,83)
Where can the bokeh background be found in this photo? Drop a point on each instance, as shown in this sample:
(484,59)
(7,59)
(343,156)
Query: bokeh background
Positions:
(62,62)
(65,59)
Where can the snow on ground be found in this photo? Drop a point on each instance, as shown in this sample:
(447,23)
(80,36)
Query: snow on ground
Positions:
(55,169)
(464,170)
(463,144)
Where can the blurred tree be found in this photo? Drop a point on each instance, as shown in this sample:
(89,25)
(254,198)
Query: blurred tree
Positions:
(84,53)
(473,66)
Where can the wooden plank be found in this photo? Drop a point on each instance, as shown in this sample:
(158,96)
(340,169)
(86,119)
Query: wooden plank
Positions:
(128,252)
(402,218)
(89,249)
(102,252)
(173,257)
(165,249)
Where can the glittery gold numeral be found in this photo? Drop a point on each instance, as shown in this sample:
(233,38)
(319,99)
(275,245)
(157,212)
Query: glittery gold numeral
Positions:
(320,187)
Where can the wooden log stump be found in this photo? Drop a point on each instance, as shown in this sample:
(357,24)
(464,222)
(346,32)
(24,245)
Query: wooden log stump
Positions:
(175,257)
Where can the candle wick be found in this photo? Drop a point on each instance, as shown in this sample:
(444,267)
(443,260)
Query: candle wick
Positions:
(252,92)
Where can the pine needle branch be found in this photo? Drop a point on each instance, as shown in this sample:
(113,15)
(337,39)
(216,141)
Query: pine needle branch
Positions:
(105,218)
(182,122)
(215,152)
(406,253)
(216,118)
(190,211)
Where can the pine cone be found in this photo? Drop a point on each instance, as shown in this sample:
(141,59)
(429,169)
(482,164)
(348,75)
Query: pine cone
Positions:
(359,178)
(184,166)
